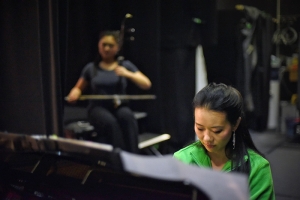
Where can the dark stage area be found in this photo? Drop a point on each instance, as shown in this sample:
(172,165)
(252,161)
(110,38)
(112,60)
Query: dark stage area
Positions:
(46,43)
(283,154)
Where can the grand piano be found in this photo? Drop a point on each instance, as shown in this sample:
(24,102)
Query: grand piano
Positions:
(41,167)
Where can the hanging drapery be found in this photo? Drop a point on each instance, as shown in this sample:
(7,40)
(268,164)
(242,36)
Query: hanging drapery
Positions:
(253,73)
(200,70)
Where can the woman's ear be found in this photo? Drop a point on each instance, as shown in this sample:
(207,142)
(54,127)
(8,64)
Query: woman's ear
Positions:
(237,124)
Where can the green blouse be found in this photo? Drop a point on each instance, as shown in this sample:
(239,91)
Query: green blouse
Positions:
(260,178)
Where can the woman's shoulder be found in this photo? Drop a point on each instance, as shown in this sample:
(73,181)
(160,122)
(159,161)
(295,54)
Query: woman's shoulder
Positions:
(88,71)
(89,65)
(257,159)
(127,62)
(129,65)
(260,177)
(185,151)
(193,154)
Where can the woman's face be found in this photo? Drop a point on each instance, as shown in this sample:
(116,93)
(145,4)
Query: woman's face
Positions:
(212,129)
(108,47)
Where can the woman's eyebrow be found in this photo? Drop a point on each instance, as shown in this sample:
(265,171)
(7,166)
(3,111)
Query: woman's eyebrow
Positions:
(198,124)
(210,127)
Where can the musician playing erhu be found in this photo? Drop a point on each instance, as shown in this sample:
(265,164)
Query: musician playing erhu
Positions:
(107,76)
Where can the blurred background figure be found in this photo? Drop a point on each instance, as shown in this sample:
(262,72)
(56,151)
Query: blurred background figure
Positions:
(108,76)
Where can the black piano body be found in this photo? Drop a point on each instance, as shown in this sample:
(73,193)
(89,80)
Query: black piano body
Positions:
(38,167)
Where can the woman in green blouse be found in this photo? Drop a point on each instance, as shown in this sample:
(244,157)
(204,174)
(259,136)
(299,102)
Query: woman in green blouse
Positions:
(224,142)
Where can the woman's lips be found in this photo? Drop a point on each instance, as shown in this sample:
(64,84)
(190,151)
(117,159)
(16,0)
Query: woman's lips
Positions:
(209,146)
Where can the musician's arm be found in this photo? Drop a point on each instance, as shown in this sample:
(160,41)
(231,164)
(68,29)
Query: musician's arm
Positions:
(140,80)
(77,90)
(137,77)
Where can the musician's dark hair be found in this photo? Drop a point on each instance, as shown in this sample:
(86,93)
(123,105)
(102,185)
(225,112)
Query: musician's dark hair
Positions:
(114,34)
(226,99)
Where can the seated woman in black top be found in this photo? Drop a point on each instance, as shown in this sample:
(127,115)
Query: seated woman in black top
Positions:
(107,77)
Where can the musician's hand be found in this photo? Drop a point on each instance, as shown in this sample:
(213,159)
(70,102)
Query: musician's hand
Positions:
(73,95)
(122,71)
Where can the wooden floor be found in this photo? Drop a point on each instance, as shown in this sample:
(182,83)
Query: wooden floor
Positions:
(283,154)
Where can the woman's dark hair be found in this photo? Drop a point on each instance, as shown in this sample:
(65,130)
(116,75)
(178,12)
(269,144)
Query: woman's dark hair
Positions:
(227,99)
(114,34)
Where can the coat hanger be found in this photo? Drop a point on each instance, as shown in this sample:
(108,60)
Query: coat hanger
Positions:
(241,7)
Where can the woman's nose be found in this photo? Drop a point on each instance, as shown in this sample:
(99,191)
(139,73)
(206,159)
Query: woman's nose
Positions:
(207,137)
(106,48)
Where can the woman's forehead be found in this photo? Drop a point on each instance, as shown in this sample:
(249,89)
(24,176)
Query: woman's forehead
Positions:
(209,111)
(108,39)
(209,117)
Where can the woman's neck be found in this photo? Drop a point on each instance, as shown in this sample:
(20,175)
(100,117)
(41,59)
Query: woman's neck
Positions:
(218,160)
(108,60)
(108,65)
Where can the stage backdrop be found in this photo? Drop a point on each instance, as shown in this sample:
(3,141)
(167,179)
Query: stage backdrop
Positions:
(166,36)
(45,45)
(29,77)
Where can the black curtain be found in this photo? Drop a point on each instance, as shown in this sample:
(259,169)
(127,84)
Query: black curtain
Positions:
(29,67)
(41,39)
(259,74)
(184,26)
(226,63)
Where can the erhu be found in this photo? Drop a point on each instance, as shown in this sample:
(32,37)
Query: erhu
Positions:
(121,38)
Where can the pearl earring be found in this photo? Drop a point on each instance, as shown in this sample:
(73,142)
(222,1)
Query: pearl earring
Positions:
(233,140)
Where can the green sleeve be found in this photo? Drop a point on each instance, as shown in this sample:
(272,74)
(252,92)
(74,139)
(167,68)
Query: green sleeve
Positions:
(183,156)
(261,181)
